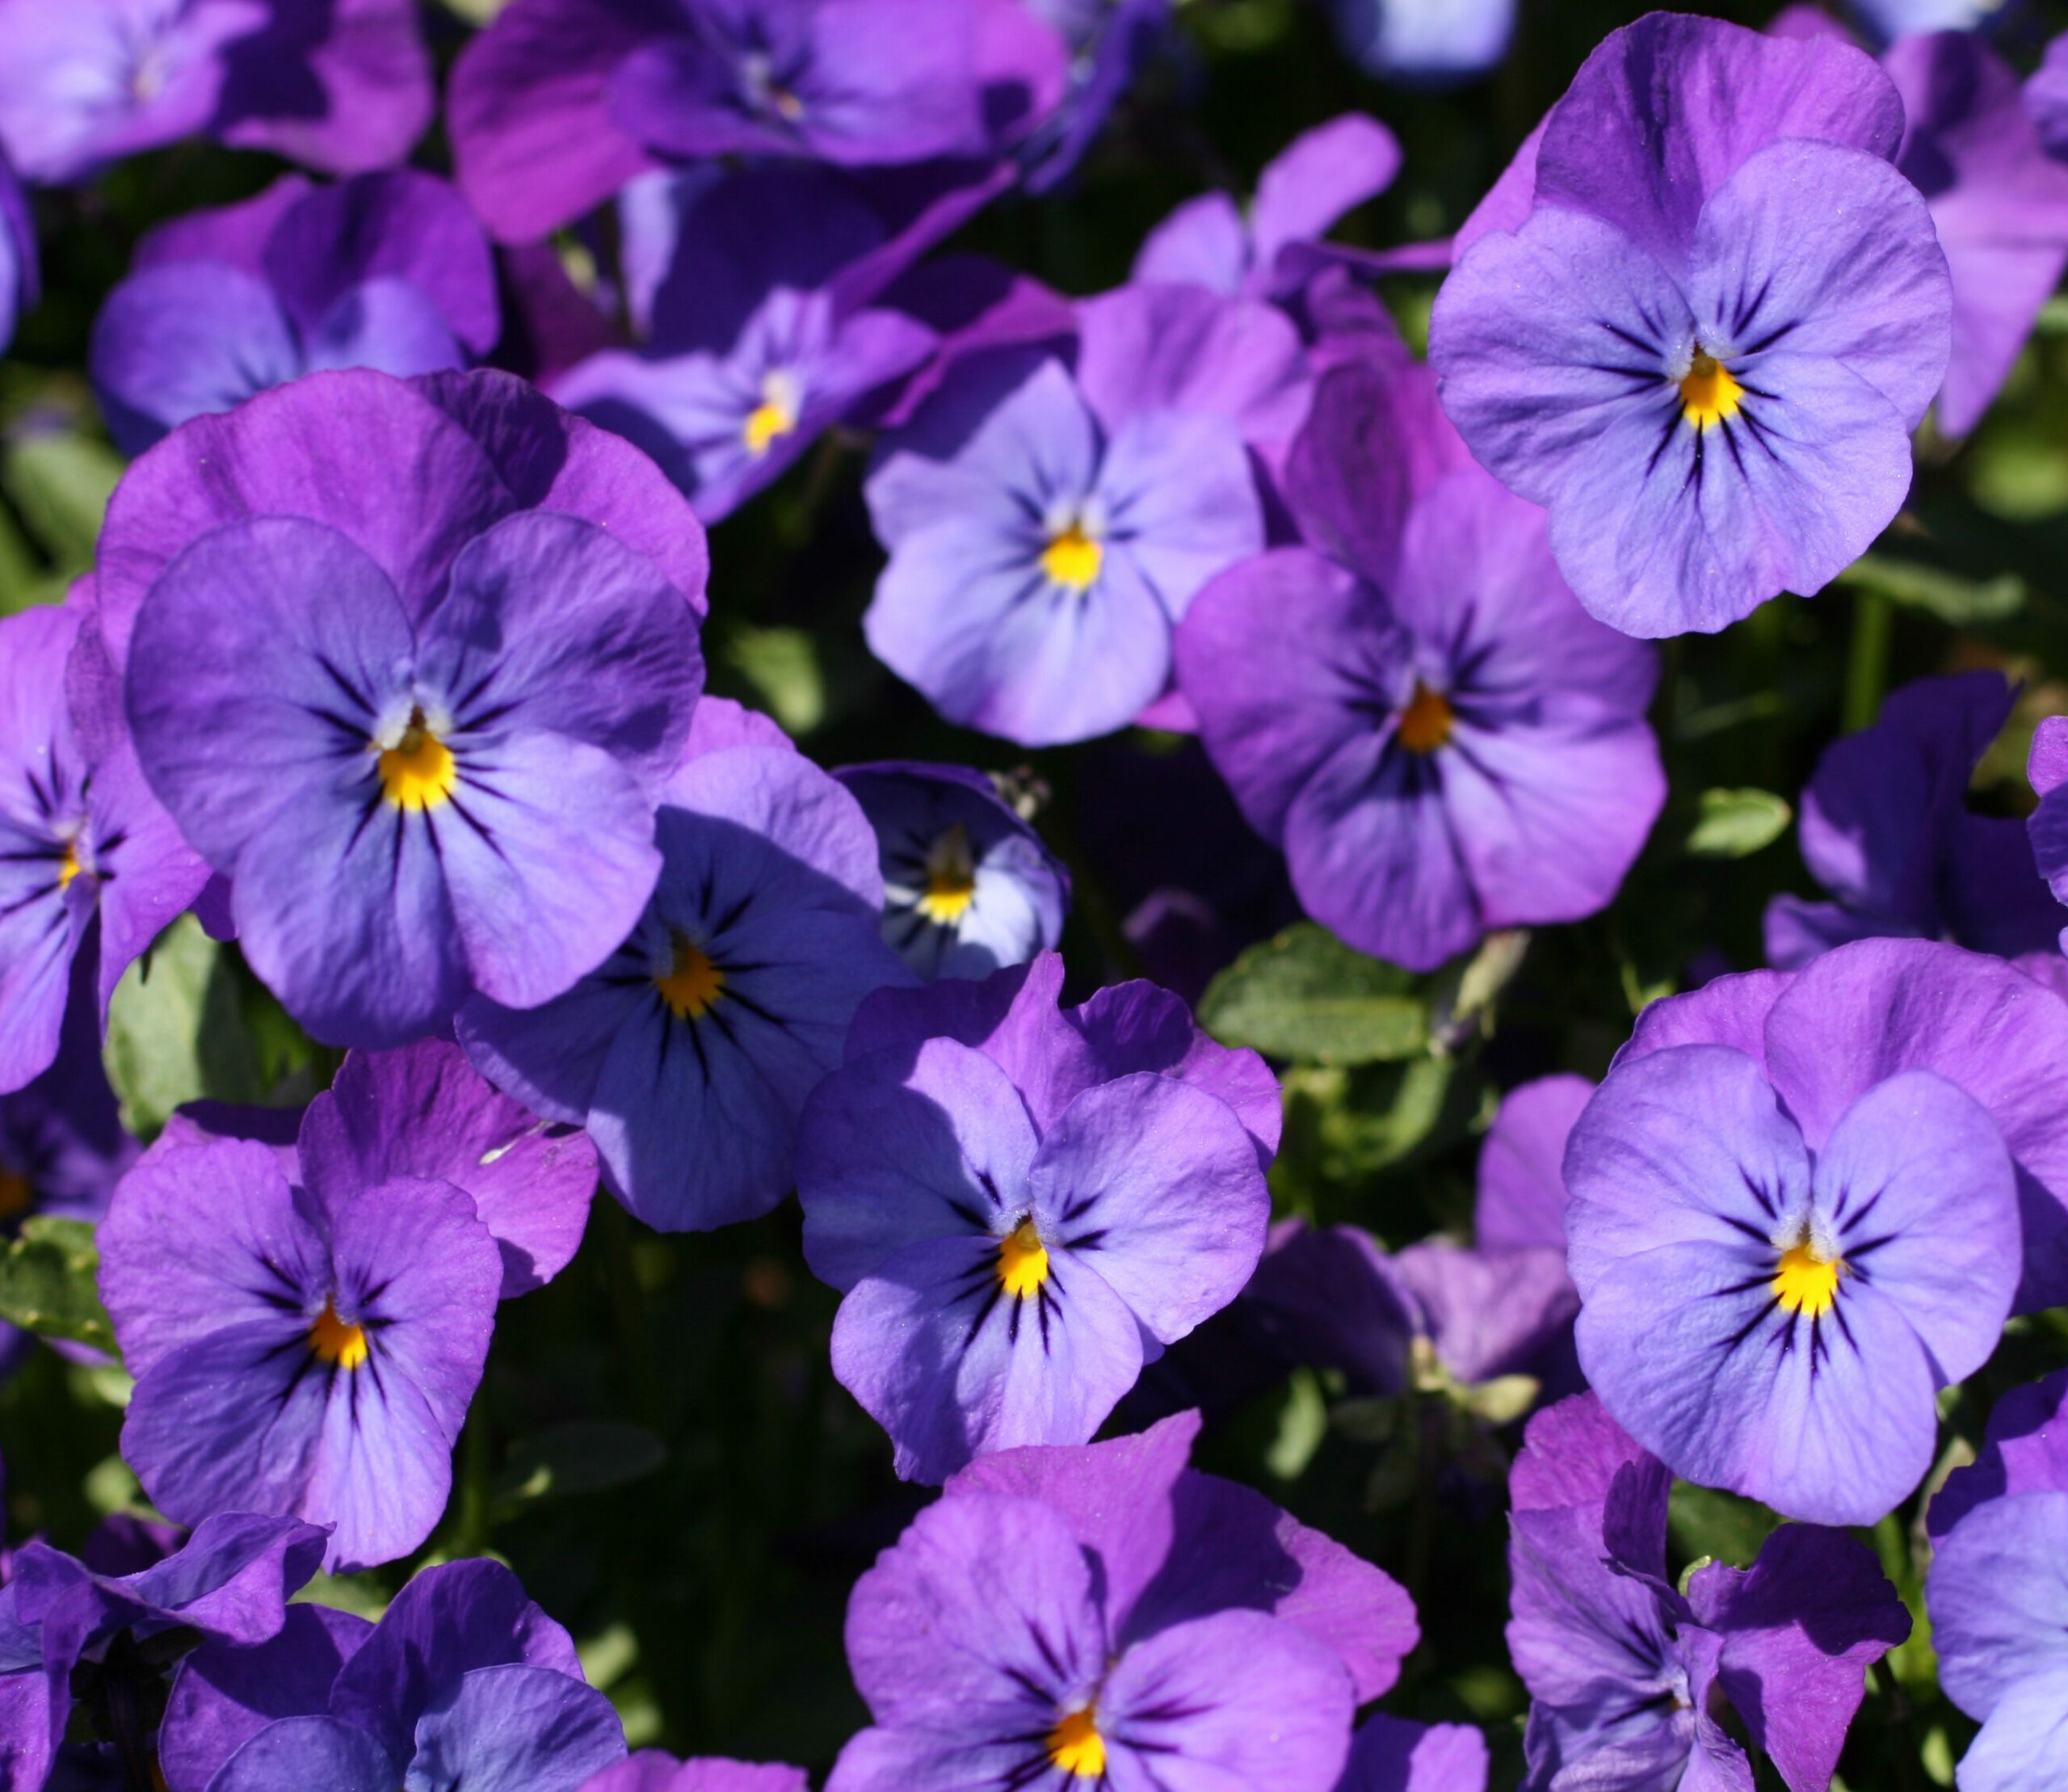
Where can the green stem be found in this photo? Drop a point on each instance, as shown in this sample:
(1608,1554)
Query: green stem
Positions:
(1867,658)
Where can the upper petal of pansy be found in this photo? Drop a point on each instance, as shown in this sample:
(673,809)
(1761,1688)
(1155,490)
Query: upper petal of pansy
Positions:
(1490,1313)
(1204,242)
(230,1580)
(2024,1741)
(1521,1199)
(387,324)
(1390,1754)
(1863,1012)
(1235,1694)
(1799,1629)
(1995,900)
(289,643)
(550,624)
(197,1236)
(1997,1593)
(951,1363)
(1668,109)
(515,1729)
(985,1596)
(1316,178)
(1155,1185)
(1283,658)
(1726,1010)
(817,850)
(347,1759)
(2024,1450)
(893,1150)
(357,450)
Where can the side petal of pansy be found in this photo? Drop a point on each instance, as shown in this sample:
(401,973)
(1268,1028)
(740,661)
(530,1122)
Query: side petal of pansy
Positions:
(517,1729)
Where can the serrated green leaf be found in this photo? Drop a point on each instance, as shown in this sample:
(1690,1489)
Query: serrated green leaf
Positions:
(176,1031)
(46,1282)
(1734,824)
(583,1456)
(1307,996)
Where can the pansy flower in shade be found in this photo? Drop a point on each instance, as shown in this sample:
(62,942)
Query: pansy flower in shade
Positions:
(340,84)
(688,1053)
(19,280)
(1050,518)
(1022,1208)
(229,1581)
(1426,40)
(1108,43)
(1313,181)
(385,270)
(304,1341)
(1793,1217)
(558,103)
(651,1771)
(1413,708)
(1704,346)
(1106,1616)
(2048,825)
(1885,828)
(462,1682)
(758,346)
(1627,1677)
(2046,99)
(967,887)
(420,724)
(1390,1754)
(91,866)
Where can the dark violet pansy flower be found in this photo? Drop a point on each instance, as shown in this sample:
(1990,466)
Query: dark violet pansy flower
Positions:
(230,1582)
(305,1337)
(559,103)
(758,343)
(1886,828)
(1305,188)
(1392,1755)
(1106,1616)
(464,1685)
(651,1771)
(341,85)
(1998,1596)
(1795,1215)
(412,683)
(82,839)
(386,271)
(1704,345)
(1049,519)
(688,1053)
(17,259)
(2046,99)
(2048,825)
(1107,43)
(1426,40)
(1628,1678)
(967,887)
(1413,707)
(1023,1207)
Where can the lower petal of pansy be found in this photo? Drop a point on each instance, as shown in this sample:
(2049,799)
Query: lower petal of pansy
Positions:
(1237,1698)
(951,1364)
(383,1467)
(308,1751)
(987,1745)
(2024,1743)
(1997,1595)
(515,1729)
(37,939)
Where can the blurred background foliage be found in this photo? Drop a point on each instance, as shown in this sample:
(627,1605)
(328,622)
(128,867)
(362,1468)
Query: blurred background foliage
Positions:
(659,1447)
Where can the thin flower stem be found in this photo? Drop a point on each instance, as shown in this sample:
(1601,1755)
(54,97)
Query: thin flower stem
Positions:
(1867,658)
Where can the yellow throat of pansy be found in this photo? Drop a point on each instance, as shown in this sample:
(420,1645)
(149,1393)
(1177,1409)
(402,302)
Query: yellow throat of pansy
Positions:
(331,1340)
(1805,1280)
(1709,395)
(951,878)
(774,417)
(1023,1261)
(691,984)
(1075,1745)
(419,771)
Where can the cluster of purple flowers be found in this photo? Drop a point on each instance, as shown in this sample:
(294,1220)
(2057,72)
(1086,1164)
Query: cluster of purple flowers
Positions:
(391,669)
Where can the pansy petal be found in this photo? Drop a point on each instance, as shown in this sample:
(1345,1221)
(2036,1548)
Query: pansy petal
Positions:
(299,1750)
(1521,1199)
(515,1729)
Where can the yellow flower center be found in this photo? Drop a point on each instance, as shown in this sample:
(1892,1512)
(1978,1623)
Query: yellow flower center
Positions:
(333,1341)
(1023,1261)
(1425,724)
(1805,1283)
(1076,1747)
(68,865)
(951,878)
(418,772)
(776,416)
(16,1196)
(1072,559)
(693,983)
(1708,392)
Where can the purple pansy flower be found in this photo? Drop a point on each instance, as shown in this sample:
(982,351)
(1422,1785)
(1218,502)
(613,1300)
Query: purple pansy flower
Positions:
(386,271)
(230,1582)
(1107,43)
(1430,40)
(1795,1215)
(689,1052)
(82,839)
(651,1771)
(758,345)
(1413,707)
(1023,1207)
(2047,827)
(1626,1675)
(1392,1755)
(2046,99)
(1050,517)
(1305,188)
(967,887)
(1106,1615)
(18,279)
(306,1334)
(1886,828)
(419,722)
(559,103)
(464,1683)
(341,85)
(1704,345)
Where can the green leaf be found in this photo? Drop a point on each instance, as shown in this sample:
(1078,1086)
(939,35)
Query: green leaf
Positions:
(1307,996)
(176,1031)
(1735,823)
(1707,1522)
(782,664)
(1953,599)
(46,1282)
(583,1456)
(60,484)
